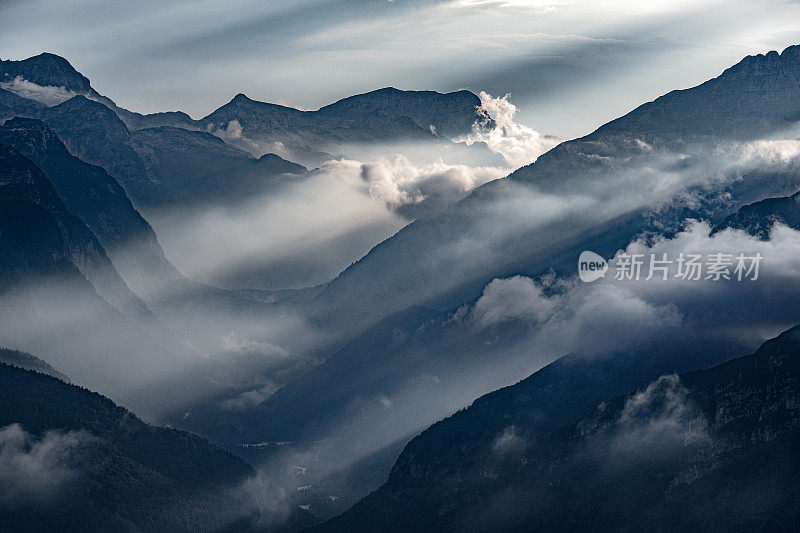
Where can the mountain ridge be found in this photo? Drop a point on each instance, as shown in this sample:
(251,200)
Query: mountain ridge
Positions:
(730,413)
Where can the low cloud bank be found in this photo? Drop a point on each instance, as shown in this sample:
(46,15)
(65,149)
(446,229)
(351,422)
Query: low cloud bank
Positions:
(49,95)
(613,314)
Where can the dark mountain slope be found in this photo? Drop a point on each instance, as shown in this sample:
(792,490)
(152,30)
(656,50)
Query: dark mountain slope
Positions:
(92,132)
(381,115)
(24,183)
(384,115)
(54,71)
(711,449)
(754,96)
(192,167)
(97,199)
(33,248)
(450,114)
(120,472)
(12,105)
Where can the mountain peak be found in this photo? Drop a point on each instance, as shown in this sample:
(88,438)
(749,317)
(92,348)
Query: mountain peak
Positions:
(241,98)
(46,69)
(786,62)
(791,52)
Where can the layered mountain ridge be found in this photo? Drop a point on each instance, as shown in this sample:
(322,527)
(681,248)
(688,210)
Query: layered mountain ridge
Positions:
(709,448)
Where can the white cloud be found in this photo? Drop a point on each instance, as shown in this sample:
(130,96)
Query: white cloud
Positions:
(615,316)
(518,144)
(32,469)
(260,499)
(517,297)
(46,94)
(251,398)
(508,441)
(400,183)
(658,417)
(771,151)
(232,134)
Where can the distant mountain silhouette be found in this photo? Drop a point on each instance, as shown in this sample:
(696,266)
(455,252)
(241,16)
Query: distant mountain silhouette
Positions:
(758,218)
(384,115)
(192,167)
(29,362)
(47,70)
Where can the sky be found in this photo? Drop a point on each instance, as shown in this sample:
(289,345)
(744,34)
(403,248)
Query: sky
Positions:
(569,66)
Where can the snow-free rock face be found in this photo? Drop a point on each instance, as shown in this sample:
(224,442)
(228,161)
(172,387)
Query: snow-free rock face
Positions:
(384,115)
(89,193)
(25,186)
(193,167)
(381,115)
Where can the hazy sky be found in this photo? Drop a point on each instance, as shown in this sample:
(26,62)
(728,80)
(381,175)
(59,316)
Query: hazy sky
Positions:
(569,65)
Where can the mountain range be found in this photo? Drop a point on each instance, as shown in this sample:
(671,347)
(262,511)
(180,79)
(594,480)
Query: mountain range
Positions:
(399,285)
(619,441)
(383,115)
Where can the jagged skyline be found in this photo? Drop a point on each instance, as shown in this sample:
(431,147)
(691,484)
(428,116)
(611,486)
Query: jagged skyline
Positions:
(546,53)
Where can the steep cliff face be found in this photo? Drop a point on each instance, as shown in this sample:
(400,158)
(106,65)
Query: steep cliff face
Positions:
(22,181)
(89,193)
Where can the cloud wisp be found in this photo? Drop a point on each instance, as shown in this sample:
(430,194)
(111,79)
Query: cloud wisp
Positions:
(31,469)
(48,95)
